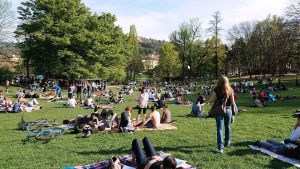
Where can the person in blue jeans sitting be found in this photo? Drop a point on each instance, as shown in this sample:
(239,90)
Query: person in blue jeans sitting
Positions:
(223,91)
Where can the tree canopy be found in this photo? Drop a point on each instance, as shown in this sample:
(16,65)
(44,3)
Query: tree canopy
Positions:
(61,38)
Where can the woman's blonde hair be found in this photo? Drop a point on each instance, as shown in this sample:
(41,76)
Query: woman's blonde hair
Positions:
(223,83)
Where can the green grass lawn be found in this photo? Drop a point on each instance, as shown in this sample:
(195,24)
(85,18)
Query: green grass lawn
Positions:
(194,140)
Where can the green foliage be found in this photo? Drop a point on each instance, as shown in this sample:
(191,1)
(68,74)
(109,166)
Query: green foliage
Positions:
(150,46)
(135,65)
(169,62)
(61,38)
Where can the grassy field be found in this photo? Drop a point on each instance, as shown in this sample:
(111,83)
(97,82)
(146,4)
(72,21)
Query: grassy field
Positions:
(194,140)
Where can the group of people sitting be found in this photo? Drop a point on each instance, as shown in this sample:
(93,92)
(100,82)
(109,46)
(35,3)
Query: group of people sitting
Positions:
(261,97)
(25,94)
(99,121)
(21,105)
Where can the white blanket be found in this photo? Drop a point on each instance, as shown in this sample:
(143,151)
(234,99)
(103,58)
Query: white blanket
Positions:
(277,156)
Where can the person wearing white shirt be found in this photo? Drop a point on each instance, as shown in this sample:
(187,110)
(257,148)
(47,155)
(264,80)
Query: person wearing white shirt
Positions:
(142,104)
(71,102)
(296,131)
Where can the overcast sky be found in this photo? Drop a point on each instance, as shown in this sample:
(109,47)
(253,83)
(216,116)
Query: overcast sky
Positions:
(159,18)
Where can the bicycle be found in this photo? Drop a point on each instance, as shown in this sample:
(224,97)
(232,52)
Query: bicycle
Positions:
(36,124)
(43,134)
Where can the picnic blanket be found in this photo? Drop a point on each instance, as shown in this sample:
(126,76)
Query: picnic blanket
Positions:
(277,156)
(163,126)
(125,160)
(166,126)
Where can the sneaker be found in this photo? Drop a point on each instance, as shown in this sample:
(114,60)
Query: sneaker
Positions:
(227,145)
(220,151)
(232,119)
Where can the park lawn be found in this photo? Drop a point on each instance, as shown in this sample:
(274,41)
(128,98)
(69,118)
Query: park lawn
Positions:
(194,140)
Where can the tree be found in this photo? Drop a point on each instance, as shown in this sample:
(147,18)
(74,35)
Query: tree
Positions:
(169,63)
(135,65)
(215,29)
(62,39)
(6,20)
(184,40)
(292,23)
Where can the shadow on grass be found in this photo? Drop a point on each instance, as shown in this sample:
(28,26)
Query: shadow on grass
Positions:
(111,152)
(279,164)
(126,150)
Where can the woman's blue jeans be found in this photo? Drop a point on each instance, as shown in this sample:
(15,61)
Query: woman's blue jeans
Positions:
(227,121)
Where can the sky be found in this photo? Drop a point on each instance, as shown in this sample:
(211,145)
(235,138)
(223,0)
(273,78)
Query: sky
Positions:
(157,19)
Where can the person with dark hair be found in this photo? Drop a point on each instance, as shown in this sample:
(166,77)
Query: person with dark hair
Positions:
(153,121)
(197,109)
(142,104)
(125,123)
(221,92)
(148,158)
(166,117)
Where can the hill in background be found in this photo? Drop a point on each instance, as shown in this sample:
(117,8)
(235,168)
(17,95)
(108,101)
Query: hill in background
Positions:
(150,46)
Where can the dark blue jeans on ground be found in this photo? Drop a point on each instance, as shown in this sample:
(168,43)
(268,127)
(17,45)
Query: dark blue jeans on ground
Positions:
(227,121)
(141,155)
(273,146)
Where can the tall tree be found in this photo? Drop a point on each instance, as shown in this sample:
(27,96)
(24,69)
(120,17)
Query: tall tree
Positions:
(169,63)
(6,20)
(215,30)
(184,40)
(61,38)
(135,65)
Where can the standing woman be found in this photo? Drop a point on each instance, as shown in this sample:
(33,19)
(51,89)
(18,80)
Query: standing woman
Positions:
(143,104)
(222,91)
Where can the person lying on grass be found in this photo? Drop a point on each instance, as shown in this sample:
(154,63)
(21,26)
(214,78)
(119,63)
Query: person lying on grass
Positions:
(280,148)
(182,101)
(148,158)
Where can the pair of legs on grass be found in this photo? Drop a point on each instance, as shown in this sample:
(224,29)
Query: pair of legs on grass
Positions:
(226,119)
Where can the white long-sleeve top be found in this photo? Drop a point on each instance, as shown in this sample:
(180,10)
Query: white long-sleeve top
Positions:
(295,134)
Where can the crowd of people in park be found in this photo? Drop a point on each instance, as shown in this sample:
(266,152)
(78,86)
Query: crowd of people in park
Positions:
(152,111)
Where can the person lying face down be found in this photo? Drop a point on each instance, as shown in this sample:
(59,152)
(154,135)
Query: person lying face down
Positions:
(148,158)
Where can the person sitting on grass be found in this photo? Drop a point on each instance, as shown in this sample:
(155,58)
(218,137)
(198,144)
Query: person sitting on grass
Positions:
(166,116)
(197,109)
(159,103)
(153,121)
(148,158)
(89,103)
(125,123)
(258,103)
(71,102)
(295,135)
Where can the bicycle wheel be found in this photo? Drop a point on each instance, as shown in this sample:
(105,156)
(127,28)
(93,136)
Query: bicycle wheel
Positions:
(49,134)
